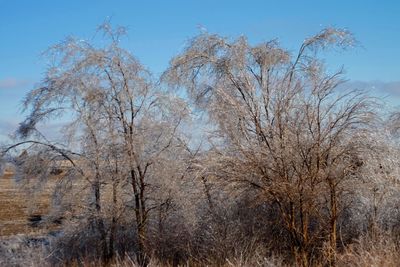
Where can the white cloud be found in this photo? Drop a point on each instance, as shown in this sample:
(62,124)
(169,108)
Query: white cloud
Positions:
(11,83)
(380,87)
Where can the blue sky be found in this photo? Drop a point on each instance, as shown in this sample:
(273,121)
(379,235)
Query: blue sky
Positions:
(158,30)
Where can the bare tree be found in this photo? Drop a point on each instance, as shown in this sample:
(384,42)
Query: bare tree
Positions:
(379,173)
(284,147)
(283,127)
(120,127)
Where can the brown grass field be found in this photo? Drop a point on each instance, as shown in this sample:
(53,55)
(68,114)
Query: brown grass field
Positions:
(16,206)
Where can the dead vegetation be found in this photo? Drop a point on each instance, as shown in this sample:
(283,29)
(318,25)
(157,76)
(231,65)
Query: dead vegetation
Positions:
(19,208)
(288,170)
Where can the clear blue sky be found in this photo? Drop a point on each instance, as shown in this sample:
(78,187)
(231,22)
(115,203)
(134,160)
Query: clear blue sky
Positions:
(158,30)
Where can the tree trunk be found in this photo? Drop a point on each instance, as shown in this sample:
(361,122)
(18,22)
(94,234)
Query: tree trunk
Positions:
(303,257)
(102,247)
(333,229)
(140,219)
(113,222)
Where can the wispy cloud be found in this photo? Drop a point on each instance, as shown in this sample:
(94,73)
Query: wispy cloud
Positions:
(13,83)
(379,87)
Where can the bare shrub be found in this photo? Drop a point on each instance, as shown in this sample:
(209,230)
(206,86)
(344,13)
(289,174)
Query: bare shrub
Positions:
(374,251)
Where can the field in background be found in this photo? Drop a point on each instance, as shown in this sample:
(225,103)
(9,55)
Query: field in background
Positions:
(16,207)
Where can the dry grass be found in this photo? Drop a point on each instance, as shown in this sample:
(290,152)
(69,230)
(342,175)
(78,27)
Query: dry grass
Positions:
(254,261)
(15,206)
(15,210)
(381,250)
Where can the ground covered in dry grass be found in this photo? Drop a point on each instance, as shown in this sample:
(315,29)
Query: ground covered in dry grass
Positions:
(16,207)
(22,244)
